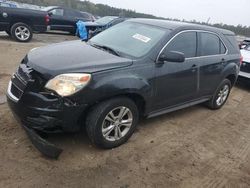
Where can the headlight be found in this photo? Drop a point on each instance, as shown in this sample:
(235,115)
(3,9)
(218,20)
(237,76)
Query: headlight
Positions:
(68,84)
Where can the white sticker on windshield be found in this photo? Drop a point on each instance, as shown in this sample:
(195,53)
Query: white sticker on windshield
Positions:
(141,38)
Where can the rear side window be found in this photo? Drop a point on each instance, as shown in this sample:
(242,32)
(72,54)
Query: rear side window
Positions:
(185,42)
(210,44)
(57,12)
(71,13)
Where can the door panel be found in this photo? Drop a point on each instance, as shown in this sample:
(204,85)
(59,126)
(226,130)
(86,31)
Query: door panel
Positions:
(177,83)
(212,61)
(210,73)
(58,21)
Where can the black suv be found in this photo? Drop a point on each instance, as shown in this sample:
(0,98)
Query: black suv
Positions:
(152,67)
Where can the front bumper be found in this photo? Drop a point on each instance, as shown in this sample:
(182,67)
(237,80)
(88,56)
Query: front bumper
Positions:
(45,113)
(46,148)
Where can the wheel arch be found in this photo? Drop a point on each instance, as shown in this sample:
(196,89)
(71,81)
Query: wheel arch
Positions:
(232,78)
(230,73)
(27,22)
(138,99)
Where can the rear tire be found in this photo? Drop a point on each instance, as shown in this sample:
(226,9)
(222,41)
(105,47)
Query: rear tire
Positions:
(21,32)
(221,95)
(111,123)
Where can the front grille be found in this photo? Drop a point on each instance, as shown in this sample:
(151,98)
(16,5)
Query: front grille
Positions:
(245,67)
(20,80)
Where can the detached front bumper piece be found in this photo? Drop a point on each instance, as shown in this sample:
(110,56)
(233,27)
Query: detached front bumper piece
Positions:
(46,148)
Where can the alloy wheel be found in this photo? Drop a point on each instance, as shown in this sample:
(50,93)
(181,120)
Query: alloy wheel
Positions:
(117,123)
(222,95)
(22,33)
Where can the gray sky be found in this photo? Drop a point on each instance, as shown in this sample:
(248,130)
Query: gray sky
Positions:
(220,11)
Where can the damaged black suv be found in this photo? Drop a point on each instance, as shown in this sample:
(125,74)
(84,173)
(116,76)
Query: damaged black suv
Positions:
(139,68)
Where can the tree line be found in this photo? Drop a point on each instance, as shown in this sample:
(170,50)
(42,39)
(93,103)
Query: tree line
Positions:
(104,10)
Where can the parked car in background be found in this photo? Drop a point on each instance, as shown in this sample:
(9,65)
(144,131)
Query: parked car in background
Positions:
(245,43)
(109,21)
(245,67)
(102,24)
(20,23)
(140,67)
(64,19)
(7,4)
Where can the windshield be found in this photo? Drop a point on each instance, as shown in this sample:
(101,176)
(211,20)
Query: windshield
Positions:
(133,39)
(105,20)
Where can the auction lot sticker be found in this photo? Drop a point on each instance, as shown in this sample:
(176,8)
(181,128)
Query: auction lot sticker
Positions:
(141,38)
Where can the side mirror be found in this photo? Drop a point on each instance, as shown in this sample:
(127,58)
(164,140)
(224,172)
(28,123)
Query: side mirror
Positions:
(172,56)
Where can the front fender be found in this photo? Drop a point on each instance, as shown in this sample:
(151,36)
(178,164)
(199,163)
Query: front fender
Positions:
(103,87)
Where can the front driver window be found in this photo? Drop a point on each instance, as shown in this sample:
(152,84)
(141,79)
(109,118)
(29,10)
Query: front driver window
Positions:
(185,42)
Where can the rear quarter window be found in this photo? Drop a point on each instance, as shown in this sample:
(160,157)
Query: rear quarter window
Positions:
(233,42)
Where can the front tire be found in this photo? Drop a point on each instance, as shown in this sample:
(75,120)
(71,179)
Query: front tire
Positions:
(21,32)
(112,122)
(221,95)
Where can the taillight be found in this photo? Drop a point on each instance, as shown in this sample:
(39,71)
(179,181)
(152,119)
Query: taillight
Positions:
(47,19)
(241,60)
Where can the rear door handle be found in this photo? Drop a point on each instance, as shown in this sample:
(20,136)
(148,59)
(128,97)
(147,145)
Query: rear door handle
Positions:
(223,60)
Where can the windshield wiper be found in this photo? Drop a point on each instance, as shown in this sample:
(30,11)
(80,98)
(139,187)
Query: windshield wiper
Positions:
(106,48)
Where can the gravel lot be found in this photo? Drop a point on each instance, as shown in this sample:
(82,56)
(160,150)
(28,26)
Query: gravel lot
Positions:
(194,147)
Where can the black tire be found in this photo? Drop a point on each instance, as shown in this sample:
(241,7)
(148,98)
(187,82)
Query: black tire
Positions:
(28,34)
(96,118)
(212,104)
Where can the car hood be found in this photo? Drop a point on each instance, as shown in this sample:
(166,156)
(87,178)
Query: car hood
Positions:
(73,57)
(246,55)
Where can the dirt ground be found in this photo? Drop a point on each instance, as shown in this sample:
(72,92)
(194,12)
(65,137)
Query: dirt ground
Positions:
(194,147)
